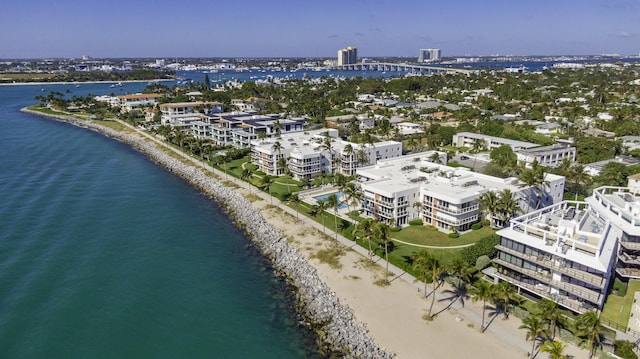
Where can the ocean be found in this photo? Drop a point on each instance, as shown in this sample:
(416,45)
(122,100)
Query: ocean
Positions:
(103,254)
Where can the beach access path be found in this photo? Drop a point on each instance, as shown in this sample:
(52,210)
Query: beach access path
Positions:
(392,313)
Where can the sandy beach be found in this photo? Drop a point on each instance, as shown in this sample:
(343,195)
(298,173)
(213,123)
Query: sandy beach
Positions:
(393,314)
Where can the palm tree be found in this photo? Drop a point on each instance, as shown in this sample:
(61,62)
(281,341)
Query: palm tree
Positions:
(333,202)
(295,199)
(435,158)
(362,157)
(348,152)
(245,175)
(588,326)
(266,183)
(478,144)
(352,194)
(418,206)
(382,233)
(528,180)
(507,206)
(551,314)
(277,148)
(578,177)
(489,205)
(506,295)
(482,290)
(366,228)
(535,330)
(224,160)
(421,266)
(326,145)
(541,182)
(436,269)
(554,348)
(461,270)
(320,207)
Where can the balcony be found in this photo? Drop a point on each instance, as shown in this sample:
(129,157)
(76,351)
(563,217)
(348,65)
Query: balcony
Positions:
(544,291)
(457,222)
(586,277)
(632,246)
(629,259)
(629,272)
(452,210)
(545,277)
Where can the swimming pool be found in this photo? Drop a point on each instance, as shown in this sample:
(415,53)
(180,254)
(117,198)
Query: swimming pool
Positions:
(324,197)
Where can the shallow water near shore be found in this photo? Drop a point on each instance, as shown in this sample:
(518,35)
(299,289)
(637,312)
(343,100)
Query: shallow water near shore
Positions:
(105,254)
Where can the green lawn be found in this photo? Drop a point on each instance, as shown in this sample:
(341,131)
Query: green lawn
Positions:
(617,309)
(456,164)
(431,237)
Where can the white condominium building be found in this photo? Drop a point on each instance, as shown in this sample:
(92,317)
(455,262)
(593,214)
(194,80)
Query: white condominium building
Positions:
(571,251)
(564,252)
(180,113)
(127,102)
(548,156)
(347,56)
(240,128)
(468,139)
(429,55)
(447,196)
(313,153)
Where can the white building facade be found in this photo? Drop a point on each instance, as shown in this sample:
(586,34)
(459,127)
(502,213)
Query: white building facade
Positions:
(447,196)
(311,154)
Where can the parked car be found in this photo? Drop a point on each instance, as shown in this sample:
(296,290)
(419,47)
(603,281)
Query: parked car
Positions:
(463,157)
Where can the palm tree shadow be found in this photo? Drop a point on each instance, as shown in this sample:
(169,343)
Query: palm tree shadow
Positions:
(458,293)
(494,312)
(398,276)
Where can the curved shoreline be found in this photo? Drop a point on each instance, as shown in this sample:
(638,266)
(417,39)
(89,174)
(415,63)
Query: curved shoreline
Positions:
(335,322)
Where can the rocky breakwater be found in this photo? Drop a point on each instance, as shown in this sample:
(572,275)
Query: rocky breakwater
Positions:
(334,322)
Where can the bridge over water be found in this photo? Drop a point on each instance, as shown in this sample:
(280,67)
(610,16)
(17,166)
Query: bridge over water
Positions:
(416,69)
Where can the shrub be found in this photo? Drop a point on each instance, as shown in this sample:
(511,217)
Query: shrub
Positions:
(454,235)
(476,226)
(394,229)
(484,246)
(415,222)
(620,287)
(482,262)
(624,349)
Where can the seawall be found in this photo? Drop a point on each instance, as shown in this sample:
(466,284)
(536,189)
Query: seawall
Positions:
(334,322)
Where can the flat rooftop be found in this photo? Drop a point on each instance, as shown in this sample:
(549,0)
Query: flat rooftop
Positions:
(506,141)
(456,185)
(567,229)
(546,150)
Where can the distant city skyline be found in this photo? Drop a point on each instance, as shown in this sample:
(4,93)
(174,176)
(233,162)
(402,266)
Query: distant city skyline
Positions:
(286,28)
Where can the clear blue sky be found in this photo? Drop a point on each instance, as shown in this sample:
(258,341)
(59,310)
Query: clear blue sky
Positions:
(287,28)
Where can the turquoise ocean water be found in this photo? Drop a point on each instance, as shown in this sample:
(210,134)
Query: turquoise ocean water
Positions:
(103,254)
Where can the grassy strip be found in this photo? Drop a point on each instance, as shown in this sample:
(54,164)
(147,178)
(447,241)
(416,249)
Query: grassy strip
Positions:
(618,309)
(423,235)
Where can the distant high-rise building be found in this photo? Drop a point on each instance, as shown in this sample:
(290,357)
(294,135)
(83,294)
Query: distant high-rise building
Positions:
(429,55)
(347,56)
